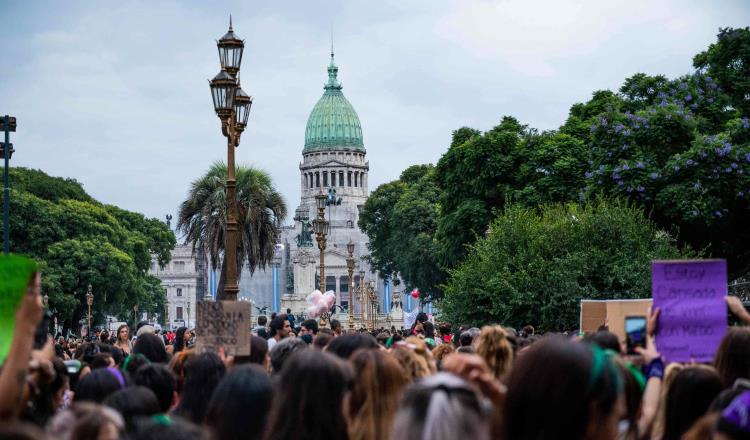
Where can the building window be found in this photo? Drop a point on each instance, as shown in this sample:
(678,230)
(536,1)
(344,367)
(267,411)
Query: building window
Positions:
(330,284)
(341,178)
(355,179)
(312,180)
(179,291)
(344,284)
(305,180)
(349,178)
(325,178)
(345,303)
(317,180)
(179,313)
(333,178)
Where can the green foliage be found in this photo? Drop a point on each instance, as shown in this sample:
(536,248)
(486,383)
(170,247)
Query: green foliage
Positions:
(78,241)
(535,265)
(400,219)
(261,209)
(728,61)
(47,187)
(475,176)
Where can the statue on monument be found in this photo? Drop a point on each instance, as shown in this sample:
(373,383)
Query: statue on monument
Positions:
(304,238)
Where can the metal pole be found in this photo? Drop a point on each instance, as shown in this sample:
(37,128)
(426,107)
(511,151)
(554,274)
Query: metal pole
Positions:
(6,187)
(230,252)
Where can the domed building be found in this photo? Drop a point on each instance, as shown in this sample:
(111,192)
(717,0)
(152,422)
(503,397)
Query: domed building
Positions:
(334,163)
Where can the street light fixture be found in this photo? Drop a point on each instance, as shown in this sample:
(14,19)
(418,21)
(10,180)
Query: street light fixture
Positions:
(350,267)
(232,106)
(230,51)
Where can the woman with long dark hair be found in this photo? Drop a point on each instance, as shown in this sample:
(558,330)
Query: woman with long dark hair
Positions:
(308,398)
(244,390)
(179,339)
(575,386)
(202,373)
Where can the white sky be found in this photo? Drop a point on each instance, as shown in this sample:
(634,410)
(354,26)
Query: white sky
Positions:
(114,94)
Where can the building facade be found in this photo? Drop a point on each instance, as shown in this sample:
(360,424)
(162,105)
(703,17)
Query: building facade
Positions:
(180,281)
(334,161)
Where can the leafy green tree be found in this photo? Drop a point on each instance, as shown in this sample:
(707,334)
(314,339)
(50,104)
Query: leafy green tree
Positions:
(261,210)
(683,155)
(475,176)
(400,218)
(728,61)
(535,265)
(78,241)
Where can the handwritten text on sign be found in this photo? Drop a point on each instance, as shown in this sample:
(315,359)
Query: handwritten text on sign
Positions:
(223,324)
(693,318)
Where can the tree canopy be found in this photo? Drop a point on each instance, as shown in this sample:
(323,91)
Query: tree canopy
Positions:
(677,149)
(536,264)
(400,220)
(79,241)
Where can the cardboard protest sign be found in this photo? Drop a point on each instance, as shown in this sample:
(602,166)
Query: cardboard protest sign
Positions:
(223,324)
(693,318)
(611,312)
(15,273)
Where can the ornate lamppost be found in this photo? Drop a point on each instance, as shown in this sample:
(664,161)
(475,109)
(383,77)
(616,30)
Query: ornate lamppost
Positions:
(361,295)
(371,305)
(350,267)
(89,302)
(232,106)
(322,228)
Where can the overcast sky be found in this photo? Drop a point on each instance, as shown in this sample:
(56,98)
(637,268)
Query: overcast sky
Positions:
(114,94)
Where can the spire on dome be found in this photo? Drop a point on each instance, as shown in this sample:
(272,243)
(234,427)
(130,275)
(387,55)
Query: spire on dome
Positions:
(333,70)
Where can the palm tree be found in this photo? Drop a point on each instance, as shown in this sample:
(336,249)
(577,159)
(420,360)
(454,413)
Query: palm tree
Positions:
(260,208)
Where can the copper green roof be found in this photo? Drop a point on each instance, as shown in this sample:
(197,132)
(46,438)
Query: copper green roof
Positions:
(333,124)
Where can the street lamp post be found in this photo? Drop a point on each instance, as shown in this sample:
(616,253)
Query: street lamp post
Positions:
(232,106)
(322,229)
(350,267)
(7,124)
(89,302)
(361,295)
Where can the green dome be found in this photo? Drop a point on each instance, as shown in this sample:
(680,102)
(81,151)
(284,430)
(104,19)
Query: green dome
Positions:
(333,124)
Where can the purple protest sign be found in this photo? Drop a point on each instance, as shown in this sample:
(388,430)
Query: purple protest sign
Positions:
(693,318)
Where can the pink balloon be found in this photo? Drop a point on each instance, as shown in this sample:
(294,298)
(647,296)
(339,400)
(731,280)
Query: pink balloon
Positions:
(314,297)
(312,312)
(329,298)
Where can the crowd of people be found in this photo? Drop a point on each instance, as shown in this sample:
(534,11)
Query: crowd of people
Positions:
(304,381)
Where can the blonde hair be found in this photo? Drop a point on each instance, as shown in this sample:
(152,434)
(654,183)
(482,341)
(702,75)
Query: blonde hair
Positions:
(421,349)
(442,351)
(374,398)
(493,346)
(413,364)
